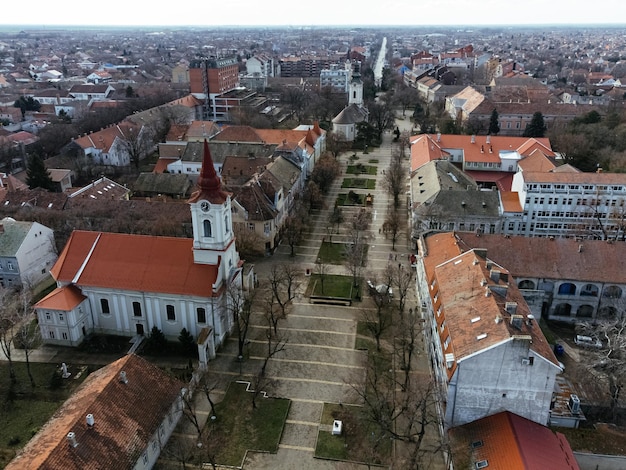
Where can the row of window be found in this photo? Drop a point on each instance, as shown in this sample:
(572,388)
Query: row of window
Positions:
(568,201)
(170,311)
(573,187)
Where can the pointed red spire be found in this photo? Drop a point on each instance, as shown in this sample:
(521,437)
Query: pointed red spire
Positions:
(209,182)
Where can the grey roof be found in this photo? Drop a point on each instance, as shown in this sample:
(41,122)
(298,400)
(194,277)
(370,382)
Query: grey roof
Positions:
(163,183)
(13,235)
(435,176)
(220,150)
(350,115)
(285,172)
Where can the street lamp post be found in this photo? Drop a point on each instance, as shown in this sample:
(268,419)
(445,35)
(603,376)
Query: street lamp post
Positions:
(240,358)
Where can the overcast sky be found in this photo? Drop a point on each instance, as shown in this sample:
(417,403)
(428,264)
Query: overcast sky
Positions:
(314,12)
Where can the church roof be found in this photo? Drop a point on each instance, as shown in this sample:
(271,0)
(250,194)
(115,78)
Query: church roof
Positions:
(63,298)
(351,114)
(134,262)
(209,182)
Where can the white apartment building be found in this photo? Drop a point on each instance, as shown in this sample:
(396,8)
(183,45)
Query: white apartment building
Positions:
(336,78)
(568,203)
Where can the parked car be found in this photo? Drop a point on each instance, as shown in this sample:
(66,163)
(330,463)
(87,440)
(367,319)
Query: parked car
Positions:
(380,289)
(587,342)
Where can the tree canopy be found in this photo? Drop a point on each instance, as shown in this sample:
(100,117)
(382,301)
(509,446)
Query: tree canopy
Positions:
(536,127)
(37,175)
(494,125)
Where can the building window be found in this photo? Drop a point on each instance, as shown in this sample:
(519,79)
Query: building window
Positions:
(207,228)
(10,266)
(201,315)
(136,309)
(104,305)
(48,316)
(51,334)
(61,317)
(171,314)
(64,335)
(226,224)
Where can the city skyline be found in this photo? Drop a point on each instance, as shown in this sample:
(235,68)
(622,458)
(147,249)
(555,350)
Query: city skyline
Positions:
(67,13)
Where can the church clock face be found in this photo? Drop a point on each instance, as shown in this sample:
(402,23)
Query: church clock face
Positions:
(204,206)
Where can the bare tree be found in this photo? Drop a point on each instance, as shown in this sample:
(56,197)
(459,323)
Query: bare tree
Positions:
(377,320)
(321,269)
(8,321)
(392,226)
(611,360)
(283,282)
(394,180)
(27,335)
(241,304)
(356,249)
(137,142)
(275,344)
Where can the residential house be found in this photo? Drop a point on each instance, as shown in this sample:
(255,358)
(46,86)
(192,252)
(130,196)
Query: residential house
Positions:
(507,440)
(175,186)
(52,96)
(109,421)
(254,211)
(27,252)
(89,92)
(114,145)
(133,283)
(61,179)
(486,348)
(568,280)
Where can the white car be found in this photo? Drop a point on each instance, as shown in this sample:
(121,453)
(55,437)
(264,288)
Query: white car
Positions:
(587,342)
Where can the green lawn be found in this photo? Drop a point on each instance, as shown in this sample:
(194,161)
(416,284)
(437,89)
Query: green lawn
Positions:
(344,200)
(359,183)
(359,441)
(335,285)
(248,429)
(332,253)
(360,169)
(23,409)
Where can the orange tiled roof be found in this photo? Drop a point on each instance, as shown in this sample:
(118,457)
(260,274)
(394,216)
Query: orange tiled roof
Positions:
(536,161)
(134,262)
(126,418)
(510,201)
(507,440)
(63,298)
(574,178)
(463,278)
(425,149)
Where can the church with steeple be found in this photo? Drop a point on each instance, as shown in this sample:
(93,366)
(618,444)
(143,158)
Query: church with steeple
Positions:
(345,123)
(122,284)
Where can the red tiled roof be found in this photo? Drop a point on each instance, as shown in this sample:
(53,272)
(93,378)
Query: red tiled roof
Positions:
(509,441)
(63,298)
(134,262)
(510,201)
(126,418)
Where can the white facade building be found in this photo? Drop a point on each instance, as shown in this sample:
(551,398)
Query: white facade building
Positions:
(127,284)
(27,252)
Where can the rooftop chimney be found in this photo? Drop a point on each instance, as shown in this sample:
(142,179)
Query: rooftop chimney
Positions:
(90,420)
(123,377)
(488,139)
(71,438)
(473,139)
